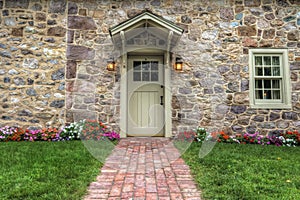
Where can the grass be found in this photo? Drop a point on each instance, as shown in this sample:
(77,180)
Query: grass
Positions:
(235,171)
(45,170)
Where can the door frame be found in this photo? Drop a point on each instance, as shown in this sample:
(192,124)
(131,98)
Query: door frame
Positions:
(124,88)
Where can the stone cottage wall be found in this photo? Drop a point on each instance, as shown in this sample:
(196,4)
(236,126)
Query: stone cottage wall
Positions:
(215,50)
(32,65)
(222,36)
(91,91)
(211,91)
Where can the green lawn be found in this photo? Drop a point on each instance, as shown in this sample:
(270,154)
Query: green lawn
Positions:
(45,170)
(235,171)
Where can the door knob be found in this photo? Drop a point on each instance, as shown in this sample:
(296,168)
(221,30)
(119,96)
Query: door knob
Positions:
(161,100)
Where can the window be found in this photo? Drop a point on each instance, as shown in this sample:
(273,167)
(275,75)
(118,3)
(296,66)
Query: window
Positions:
(145,71)
(269,79)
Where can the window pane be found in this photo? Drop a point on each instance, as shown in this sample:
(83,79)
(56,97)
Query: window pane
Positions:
(276,84)
(267,83)
(267,71)
(145,76)
(154,76)
(258,60)
(275,60)
(136,65)
(146,65)
(258,84)
(136,76)
(276,94)
(267,60)
(154,65)
(259,94)
(267,94)
(276,71)
(258,71)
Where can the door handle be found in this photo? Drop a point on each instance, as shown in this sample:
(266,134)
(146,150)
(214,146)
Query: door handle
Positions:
(161,100)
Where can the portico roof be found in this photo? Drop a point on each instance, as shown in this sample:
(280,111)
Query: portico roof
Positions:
(146,29)
(145,16)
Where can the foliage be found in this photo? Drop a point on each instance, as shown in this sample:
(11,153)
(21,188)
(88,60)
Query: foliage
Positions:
(93,130)
(72,131)
(234,171)
(200,134)
(111,135)
(6,133)
(290,138)
(186,136)
(84,129)
(18,135)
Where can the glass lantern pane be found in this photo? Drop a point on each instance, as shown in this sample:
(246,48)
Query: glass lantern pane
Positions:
(136,76)
(258,60)
(267,60)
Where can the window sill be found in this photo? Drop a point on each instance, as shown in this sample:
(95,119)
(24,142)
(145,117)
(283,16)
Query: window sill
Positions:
(271,106)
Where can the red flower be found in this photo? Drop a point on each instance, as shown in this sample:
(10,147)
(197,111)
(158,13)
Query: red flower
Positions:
(226,137)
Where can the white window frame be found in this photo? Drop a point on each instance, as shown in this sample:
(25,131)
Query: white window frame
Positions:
(285,101)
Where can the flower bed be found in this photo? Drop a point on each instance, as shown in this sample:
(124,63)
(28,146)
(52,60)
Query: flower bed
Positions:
(288,138)
(84,129)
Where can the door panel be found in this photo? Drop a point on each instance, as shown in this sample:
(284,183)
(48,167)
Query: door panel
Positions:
(145,94)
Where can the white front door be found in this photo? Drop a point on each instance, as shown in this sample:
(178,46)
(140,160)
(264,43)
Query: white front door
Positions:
(145,96)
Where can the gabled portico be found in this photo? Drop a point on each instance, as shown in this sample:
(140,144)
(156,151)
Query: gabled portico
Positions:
(145,42)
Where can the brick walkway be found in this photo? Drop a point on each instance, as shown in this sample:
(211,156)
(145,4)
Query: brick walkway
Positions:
(144,168)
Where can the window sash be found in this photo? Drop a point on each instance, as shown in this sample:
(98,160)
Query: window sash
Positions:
(268,93)
(268,67)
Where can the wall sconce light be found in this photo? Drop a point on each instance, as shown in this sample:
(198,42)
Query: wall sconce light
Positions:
(111,66)
(178,64)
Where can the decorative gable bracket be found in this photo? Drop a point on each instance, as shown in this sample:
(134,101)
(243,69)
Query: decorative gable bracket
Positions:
(146,30)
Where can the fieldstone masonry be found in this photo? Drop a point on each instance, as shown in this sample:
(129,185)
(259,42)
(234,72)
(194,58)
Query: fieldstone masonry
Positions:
(54,54)
(32,72)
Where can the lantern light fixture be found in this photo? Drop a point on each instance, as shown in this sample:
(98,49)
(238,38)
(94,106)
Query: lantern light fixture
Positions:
(111,66)
(178,64)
